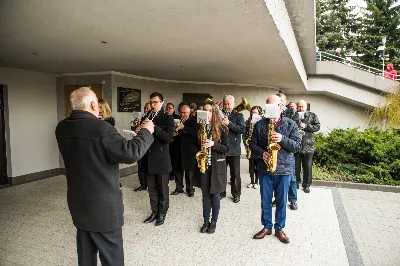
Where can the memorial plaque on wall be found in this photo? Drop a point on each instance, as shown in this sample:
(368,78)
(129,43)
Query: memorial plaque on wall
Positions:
(129,100)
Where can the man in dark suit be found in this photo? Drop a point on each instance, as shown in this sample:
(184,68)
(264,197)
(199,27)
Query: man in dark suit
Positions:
(183,151)
(237,126)
(92,150)
(156,163)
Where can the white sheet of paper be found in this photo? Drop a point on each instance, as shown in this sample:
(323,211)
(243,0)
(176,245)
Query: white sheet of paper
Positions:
(301,115)
(176,121)
(202,117)
(271,110)
(129,132)
(221,114)
(137,114)
(255,118)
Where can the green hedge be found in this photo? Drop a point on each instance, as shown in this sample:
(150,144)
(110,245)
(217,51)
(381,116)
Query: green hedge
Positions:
(372,156)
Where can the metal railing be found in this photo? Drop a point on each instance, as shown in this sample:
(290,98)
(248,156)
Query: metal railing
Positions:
(324,56)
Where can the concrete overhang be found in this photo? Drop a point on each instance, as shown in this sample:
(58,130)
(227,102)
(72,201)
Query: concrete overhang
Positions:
(226,41)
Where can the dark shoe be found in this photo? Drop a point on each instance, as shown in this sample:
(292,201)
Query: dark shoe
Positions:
(191,194)
(236,199)
(307,190)
(140,188)
(282,236)
(151,218)
(176,192)
(222,195)
(264,232)
(211,227)
(274,203)
(204,228)
(293,206)
(160,219)
(297,185)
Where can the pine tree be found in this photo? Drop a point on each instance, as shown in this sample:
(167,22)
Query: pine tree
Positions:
(337,26)
(380,19)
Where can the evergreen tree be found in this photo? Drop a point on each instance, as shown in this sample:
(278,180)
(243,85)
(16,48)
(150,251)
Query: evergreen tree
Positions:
(380,19)
(337,26)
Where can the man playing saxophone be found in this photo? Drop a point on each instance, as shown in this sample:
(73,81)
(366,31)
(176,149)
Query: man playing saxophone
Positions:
(275,179)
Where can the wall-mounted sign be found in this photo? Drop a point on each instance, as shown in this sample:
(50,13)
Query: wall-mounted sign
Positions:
(129,100)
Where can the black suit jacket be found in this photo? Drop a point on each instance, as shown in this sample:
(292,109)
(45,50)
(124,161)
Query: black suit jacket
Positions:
(218,166)
(157,159)
(184,146)
(92,150)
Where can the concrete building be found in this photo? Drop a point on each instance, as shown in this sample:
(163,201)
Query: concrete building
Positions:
(248,49)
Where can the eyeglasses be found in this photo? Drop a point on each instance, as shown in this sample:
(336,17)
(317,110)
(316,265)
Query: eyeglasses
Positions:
(151,102)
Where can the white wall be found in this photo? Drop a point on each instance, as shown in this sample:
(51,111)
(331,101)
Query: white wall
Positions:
(333,113)
(32,107)
(173,92)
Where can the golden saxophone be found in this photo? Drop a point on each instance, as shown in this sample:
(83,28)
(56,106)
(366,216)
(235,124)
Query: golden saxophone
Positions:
(202,155)
(248,140)
(176,128)
(273,148)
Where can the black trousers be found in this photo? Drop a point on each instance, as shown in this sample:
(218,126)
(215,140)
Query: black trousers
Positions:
(158,192)
(253,171)
(188,180)
(108,244)
(142,176)
(234,167)
(211,202)
(305,161)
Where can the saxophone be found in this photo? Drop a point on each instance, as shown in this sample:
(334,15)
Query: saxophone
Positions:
(248,140)
(176,128)
(273,148)
(202,155)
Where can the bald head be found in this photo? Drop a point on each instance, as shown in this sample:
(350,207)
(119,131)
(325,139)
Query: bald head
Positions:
(274,99)
(85,99)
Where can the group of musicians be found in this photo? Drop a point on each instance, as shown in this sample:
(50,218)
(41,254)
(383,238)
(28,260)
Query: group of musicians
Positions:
(176,145)
(164,147)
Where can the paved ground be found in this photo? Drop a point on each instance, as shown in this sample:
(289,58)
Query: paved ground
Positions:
(331,227)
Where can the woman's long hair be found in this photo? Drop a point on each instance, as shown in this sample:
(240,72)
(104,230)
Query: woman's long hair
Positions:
(216,122)
(251,114)
(104,109)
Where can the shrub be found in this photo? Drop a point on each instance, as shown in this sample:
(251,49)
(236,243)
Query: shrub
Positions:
(371,156)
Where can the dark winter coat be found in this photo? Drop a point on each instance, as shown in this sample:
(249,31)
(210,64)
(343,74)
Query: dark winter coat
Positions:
(237,127)
(92,150)
(157,159)
(184,146)
(290,143)
(313,125)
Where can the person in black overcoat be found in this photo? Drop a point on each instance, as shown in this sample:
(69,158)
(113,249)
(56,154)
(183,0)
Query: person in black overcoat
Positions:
(156,163)
(213,181)
(92,150)
(183,151)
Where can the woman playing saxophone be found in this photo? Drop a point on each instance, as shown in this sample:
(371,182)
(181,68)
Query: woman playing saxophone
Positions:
(255,111)
(213,138)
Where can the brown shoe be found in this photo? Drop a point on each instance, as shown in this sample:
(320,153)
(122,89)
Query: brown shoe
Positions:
(264,232)
(282,236)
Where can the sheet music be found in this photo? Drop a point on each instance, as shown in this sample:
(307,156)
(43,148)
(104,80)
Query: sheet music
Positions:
(271,110)
(129,132)
(137,114)
(202,117)
(255,118)
(301,115)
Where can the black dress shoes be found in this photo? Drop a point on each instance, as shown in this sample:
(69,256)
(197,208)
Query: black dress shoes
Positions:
(140,188)
(191,194)
(236,199)
(160,219)
(211,227)
(204,228)
(176,192)
(151,218)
